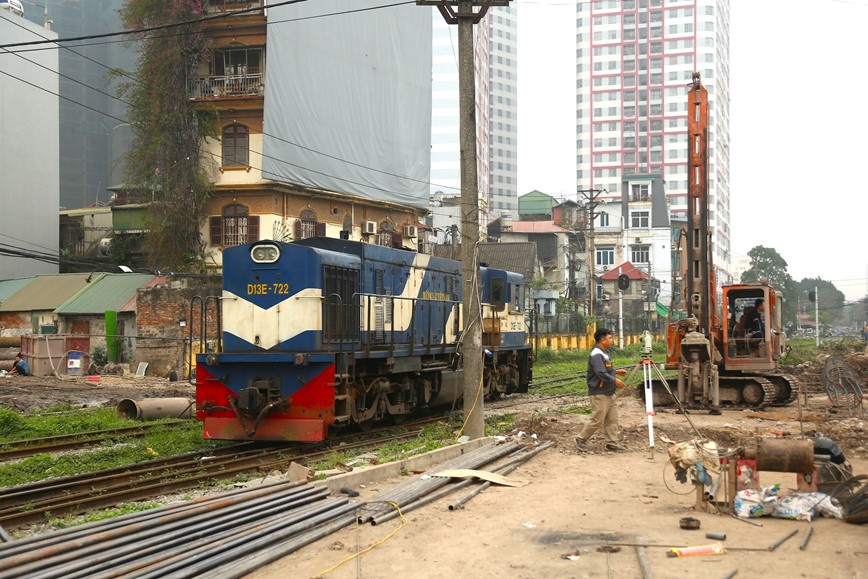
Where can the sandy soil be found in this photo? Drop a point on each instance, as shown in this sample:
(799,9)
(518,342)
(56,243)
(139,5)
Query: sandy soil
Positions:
(576,502)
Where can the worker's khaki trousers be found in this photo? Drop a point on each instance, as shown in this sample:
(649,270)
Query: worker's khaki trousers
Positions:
(605,416)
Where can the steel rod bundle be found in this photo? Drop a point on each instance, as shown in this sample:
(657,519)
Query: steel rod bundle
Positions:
(14,555)
(195,535)
(226,536)
(412,490)
(184,538)
(503,469)
(518,458)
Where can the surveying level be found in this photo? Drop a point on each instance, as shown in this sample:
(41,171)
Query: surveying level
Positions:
(648,368)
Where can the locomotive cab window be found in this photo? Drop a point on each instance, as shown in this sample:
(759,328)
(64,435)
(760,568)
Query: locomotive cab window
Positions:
(516,298)
(497,293)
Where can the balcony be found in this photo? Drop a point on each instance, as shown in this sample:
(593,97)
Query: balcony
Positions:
(222,6)
(230,86)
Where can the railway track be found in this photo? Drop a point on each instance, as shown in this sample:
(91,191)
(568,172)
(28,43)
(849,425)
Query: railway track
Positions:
(29,447)
(34,502)
(555,380)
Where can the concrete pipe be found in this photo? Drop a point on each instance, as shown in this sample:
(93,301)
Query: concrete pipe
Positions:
(10,342)
(8,353)
(7,365)
(154,408)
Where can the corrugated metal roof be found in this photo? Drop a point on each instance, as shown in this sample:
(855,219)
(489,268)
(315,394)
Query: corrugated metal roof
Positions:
(86,211)
(520,256)
(46,292)
(9,287)
(108,293)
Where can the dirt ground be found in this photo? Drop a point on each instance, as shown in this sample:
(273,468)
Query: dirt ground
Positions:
(573,503)
(28,393)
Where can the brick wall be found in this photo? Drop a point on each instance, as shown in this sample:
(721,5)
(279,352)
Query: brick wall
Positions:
(15,323)
(161,340)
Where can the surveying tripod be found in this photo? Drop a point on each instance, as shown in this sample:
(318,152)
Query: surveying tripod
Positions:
(648,367)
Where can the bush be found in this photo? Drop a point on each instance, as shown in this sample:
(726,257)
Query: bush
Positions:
(10,422)
(99,356)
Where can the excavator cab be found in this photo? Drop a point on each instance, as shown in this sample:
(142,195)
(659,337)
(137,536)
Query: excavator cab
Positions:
(752,335)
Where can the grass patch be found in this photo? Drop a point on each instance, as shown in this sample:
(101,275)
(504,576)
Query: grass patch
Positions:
(432,437)
(551,363)
(576,409)
(93,516)
(176,439)
(17,426)
(499,425)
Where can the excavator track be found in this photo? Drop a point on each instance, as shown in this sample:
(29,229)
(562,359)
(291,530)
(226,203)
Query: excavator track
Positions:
(787,387)
(756,391)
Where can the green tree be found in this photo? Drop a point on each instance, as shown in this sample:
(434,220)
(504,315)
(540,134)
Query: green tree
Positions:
(766,262)
(165,156)
(830,304)
(541,283)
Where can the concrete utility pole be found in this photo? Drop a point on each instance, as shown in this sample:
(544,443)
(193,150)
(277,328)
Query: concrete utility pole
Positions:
(466,13)
(591,196)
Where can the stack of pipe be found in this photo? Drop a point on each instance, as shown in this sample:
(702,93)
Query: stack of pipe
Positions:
(421,485)
(516,459)
(203,537)
(9,348)
(227,536)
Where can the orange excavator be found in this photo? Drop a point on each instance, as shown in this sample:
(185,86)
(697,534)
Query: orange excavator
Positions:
(730,359)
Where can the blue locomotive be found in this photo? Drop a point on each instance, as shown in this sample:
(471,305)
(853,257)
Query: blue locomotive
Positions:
(325,332)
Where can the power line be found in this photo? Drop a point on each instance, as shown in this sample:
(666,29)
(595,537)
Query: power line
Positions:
(183,33)
(150,28)
(404,177)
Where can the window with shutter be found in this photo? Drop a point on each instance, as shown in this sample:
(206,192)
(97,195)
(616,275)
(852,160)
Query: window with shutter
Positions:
(236,146)
(253,228)
(236,224)
(216,228)
(307,225)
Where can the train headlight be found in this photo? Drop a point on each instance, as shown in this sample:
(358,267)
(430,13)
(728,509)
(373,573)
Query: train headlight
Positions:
(265,253)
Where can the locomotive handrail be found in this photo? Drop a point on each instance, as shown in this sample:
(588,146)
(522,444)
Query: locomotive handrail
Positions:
(203,328)
(389,341)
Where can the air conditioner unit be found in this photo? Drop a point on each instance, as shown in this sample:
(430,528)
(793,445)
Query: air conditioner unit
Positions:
(638,240)
(605,268)
(369,227)
(411,231)
(105,245)
(606,297)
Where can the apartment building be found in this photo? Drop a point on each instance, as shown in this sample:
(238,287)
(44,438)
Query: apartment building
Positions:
(634,62)
(496,66)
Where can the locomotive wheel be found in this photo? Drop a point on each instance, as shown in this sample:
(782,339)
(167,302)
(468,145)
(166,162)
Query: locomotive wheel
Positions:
(753,393)
(366,425)
(398,419)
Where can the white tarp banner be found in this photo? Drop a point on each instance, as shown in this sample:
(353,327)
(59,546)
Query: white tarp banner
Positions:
(348,98)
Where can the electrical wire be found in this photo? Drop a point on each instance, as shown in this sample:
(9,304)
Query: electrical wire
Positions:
(186,32)
(404,522)
(309,149)
(666,484)
(151,28)
(469,324)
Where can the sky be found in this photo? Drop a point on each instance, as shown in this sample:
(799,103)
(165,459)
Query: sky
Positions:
(798,126)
